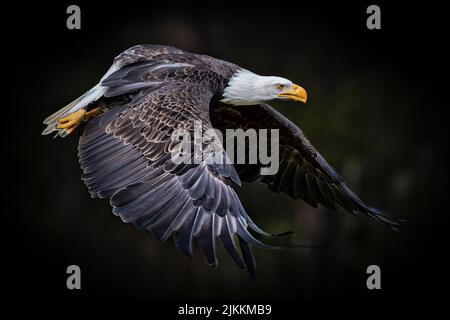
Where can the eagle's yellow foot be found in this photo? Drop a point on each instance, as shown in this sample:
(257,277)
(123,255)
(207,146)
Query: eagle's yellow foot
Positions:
(71,121)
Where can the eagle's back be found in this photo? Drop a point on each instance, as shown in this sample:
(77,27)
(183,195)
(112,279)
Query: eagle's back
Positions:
(148,52)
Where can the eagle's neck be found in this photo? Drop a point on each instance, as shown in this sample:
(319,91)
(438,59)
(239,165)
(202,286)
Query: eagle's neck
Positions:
(244,88)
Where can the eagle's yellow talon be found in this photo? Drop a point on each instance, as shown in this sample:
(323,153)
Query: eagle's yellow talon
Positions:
(71,121)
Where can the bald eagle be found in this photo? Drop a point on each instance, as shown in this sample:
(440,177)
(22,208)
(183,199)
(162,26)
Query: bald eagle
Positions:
(149,92)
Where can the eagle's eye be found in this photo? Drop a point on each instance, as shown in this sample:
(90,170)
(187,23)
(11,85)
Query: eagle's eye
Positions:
(280,86)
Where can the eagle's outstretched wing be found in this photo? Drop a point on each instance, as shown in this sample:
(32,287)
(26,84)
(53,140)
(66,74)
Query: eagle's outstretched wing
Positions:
(303,173)
(125,155)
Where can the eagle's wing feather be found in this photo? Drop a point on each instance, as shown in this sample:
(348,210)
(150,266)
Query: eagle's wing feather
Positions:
(125,155)
(303,173)
(144,52)
(155,61)
(151,52)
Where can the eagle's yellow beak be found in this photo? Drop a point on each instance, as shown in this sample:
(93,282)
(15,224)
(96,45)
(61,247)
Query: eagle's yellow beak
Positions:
(295,93)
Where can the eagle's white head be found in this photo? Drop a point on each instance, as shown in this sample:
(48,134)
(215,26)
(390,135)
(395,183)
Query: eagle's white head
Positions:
(247,88)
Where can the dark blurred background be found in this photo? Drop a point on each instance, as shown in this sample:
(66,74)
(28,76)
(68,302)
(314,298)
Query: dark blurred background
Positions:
(376,112)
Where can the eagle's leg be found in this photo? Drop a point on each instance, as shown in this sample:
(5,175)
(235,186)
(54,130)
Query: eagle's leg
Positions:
(93,113)
(73,120)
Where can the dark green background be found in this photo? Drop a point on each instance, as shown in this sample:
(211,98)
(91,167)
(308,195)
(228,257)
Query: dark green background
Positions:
(376,112)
